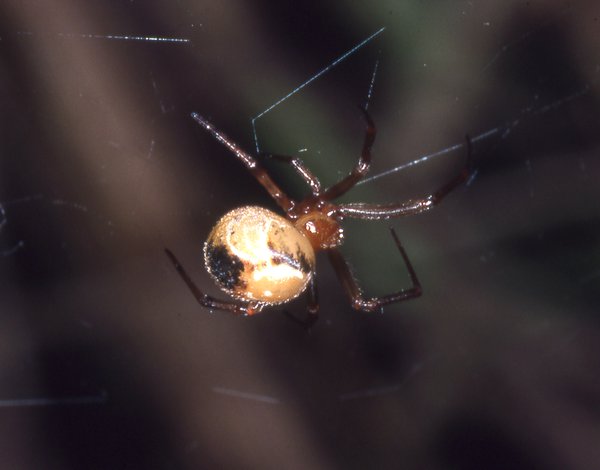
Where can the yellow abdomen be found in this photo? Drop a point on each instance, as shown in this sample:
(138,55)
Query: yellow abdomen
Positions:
(255,254)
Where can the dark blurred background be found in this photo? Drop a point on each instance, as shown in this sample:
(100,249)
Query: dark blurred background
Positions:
(106,359)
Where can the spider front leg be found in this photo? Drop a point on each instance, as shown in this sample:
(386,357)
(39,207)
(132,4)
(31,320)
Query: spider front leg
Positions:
(361,168)
(298,165)
(210,302)
(375,303)
(412,206)
(250,163)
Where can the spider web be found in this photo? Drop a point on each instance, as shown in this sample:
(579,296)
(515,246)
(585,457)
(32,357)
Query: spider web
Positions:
(102,168)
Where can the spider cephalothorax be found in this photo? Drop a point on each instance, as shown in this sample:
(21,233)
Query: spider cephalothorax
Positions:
(261,258)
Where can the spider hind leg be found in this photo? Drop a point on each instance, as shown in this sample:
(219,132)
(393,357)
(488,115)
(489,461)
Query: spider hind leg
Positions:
(210,302)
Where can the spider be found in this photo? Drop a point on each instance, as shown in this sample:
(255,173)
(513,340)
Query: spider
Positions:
(261,259)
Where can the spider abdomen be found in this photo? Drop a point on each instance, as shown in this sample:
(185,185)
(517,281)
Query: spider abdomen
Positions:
(255,254)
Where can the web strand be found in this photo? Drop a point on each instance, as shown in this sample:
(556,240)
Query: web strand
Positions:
(503,131)
(324,70)
(109,37)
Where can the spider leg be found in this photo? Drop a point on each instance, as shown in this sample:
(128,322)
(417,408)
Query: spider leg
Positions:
(210,302)
(313,297)
(313,302)
(361,168)
(250,163)
(412,206)
(312,306)
(301,169)
(359,302)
